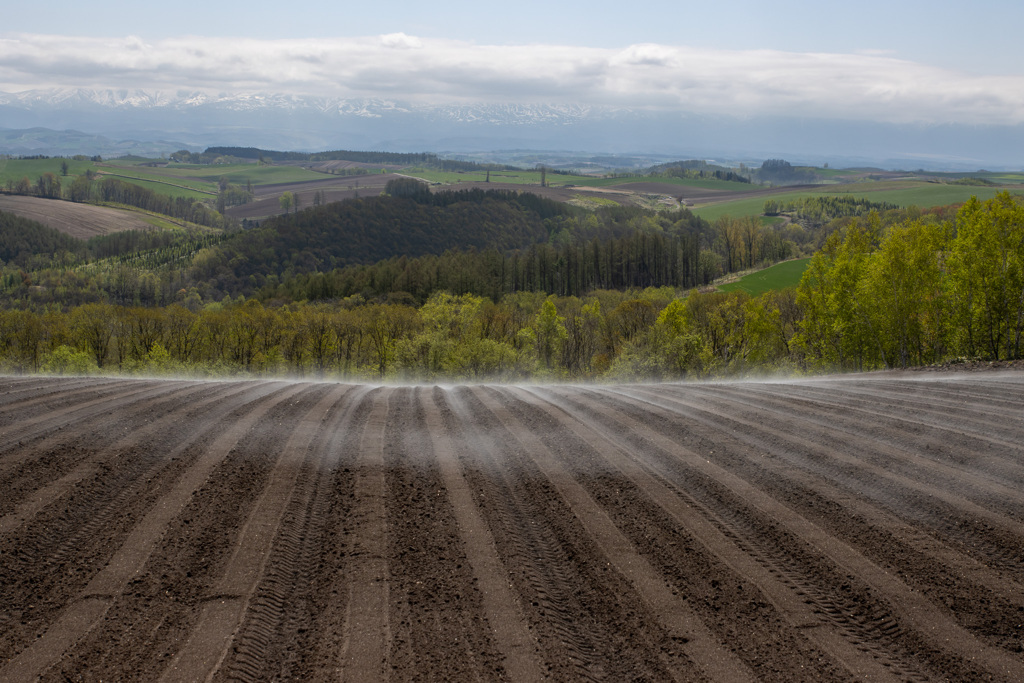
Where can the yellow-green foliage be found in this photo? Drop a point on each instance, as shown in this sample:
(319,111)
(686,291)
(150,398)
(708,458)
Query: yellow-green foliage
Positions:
(924,291)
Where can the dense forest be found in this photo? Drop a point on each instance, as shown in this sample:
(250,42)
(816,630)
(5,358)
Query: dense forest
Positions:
(488,243)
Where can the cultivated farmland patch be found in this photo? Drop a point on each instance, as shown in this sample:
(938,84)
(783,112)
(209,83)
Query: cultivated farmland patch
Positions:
(78,220)
(835,529)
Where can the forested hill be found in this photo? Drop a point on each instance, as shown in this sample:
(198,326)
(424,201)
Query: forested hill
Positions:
(372,229)
(404,159)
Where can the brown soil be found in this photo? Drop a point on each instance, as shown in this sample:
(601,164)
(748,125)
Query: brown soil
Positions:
(835,529)
(78,220)
(333,189)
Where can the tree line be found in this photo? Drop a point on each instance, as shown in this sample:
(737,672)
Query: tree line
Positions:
(366,157)
(649,333)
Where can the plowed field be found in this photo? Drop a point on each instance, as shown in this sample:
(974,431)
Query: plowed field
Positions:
(861,528)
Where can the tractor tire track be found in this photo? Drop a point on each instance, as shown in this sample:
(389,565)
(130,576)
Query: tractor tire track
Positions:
(225,607)
(276,615)
(674,615)
(882,592)
(573,623)
(988,533)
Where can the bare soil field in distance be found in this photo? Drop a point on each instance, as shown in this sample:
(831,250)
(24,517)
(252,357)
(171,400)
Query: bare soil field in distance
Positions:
(78,220)
(332,189)
(835,529)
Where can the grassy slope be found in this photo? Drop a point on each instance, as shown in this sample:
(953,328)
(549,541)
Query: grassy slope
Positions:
(239,174)
(16,169)
(903,193)
(779,276)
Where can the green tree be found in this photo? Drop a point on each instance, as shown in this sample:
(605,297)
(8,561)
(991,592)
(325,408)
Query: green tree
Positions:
(836,328)
(48,186)
(904,282)
(549,329)
(676,344)
(93,327)
(287,200)
(65,360)
(986,277)
(80,189)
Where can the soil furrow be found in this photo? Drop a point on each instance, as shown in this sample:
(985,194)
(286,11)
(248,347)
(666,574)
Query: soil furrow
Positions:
(13,439)
(434,597)
(990,473)
(281,602)
(908,606)
(673,614)
(207,645)
(316,653)
(47,487)
(507,624)
(999,392)
(837,529)
(574,625)
(603,429)
(53,555)
(953,578)
(85,611)
(44,391)
(943,437)
(867,470)
(49,389)
(366,631)
(976,595)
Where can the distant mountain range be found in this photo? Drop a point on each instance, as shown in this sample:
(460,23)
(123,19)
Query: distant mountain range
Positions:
(148,121)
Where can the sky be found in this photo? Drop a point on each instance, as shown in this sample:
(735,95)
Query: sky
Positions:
(934,62)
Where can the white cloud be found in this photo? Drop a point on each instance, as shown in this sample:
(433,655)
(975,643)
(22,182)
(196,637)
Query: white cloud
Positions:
(400,40)
(745,83)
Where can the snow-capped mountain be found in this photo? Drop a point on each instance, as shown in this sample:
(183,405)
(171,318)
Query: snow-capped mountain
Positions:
(184,101)
(310,122)
(282,121)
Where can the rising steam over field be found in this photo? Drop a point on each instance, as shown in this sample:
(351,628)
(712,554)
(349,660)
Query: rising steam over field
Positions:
(857,528)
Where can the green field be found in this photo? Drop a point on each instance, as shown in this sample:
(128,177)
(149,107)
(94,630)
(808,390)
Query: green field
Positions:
(169,188)
(240,174)
(206,177)
(16,169)
(780,276)
(919,194)
(703,183)
(902,193)
(748,207)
